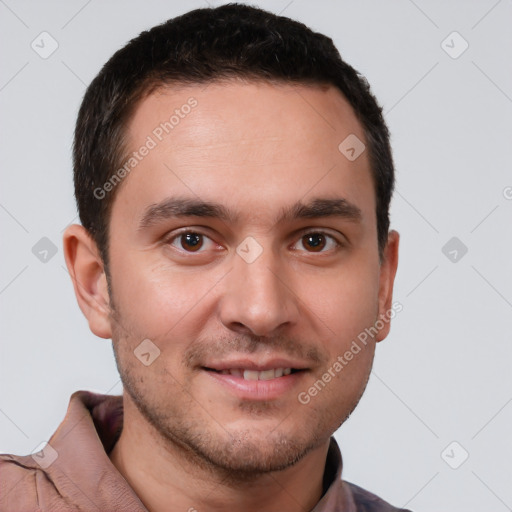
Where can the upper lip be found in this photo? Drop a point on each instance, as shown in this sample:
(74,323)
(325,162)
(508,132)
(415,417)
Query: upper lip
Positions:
(261,366)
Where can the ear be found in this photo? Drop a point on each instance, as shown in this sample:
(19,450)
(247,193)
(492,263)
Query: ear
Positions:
(388,268)
(86,269)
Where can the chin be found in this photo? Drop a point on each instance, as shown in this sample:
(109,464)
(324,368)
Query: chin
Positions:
(246,453)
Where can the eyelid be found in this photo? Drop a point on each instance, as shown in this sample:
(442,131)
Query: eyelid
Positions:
(200,230)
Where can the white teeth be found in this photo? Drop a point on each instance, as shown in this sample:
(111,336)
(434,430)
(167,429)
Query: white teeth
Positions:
(273,373)
(266,375)
(250,375)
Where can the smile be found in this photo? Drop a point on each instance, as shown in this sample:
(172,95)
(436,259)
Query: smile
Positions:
(272,373)
(254,385)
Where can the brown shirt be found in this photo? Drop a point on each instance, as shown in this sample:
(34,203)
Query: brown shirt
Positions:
(74,472)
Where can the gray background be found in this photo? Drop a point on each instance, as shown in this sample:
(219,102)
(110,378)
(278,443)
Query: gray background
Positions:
(443,374)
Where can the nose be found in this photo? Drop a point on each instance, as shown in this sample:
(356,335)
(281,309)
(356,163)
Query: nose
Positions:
(258,297)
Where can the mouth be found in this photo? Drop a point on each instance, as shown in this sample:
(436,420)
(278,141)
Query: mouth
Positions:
(260,384)
(250,374)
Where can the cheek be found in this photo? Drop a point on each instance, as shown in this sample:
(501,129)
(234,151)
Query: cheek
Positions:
(158,302)
(346,301)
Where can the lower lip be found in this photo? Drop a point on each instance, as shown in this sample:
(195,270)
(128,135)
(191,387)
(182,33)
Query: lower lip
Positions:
(257,389)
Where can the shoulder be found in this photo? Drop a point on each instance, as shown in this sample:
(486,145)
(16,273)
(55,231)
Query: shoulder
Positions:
(18,489)
(25,485)
(365,501)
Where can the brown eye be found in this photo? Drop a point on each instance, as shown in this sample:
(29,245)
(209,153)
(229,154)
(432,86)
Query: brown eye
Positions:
(317,242)
(314,241)
(192,245)
(191,241)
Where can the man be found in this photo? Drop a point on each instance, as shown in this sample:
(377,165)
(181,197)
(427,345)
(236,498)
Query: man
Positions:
(233,178)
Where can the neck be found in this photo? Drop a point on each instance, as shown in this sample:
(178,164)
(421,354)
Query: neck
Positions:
(167,478)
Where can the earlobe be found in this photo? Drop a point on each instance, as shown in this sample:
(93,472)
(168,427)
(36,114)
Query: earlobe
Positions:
(387,278)
(87,272)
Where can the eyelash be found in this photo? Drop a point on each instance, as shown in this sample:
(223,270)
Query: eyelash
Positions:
(176,236)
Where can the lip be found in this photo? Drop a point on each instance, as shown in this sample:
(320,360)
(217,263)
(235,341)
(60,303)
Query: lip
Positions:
(257,390)
(261,366)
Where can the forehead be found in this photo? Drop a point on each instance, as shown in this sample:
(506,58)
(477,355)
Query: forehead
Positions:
(268,144)
(238,111)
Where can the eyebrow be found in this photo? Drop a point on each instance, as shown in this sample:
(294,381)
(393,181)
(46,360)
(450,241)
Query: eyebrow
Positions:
(176,207)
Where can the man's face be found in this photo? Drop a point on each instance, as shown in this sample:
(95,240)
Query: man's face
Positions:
(267,286)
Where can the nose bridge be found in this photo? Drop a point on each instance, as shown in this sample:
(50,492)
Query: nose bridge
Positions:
(256,296)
